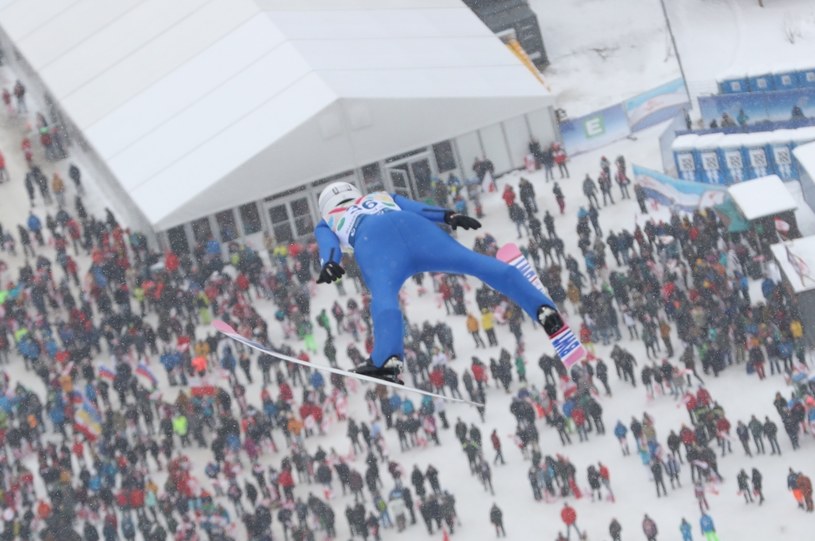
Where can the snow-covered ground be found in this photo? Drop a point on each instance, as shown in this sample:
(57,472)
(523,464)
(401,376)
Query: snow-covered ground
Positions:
(739,394)
(632,36)
(724,37)
(604,52)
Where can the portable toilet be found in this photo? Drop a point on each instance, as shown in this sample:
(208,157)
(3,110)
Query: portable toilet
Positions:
(762,83)
(806,78)
(710,158)
(685,156)
(734,158)
(780,143)
(785,77)
(733,83)
(757,153)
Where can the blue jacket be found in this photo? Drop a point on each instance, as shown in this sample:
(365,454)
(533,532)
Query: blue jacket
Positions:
(706,524)
(228,361)
(620,430)
(317,379)
(685,530)
(34,223)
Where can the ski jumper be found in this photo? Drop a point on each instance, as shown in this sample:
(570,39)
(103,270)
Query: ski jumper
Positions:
(393,238)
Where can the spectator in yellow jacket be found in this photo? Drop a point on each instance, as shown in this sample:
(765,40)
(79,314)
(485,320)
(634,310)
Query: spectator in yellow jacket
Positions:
(472,328)
(488,324)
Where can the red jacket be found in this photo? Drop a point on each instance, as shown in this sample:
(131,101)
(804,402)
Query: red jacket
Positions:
(568,515)
(508,196)
(285,479)
(687,436)
(703,397)
(437,378)
(479,374)
(242,282)
(171,261)
(690,401)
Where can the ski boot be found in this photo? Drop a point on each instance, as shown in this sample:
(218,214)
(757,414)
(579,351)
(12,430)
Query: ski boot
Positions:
(390,371)
(550,319)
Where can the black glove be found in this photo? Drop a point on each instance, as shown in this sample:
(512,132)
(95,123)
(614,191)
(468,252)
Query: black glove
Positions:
(331,272)
(460,220)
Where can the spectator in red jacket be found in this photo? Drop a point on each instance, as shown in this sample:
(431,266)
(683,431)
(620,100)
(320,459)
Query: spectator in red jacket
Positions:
(687,436)
(723,434)
(569,517)
(579,418)
(509,195)
(703,398)
(559,153)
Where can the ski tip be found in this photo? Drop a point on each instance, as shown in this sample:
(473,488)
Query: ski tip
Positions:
(223,327)
(508,252)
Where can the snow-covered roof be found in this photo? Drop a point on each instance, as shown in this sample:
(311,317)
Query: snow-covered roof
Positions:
(709,141)
(797,260)
(805,154)
(685,142)
(760,197)
(803,134)
(201,105)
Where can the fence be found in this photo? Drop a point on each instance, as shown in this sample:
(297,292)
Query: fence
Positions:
(602,127)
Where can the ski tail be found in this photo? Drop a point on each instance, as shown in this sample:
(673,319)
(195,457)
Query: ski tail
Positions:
(227,330)
(563,339)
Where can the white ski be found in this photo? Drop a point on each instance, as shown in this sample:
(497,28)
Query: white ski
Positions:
(228,331)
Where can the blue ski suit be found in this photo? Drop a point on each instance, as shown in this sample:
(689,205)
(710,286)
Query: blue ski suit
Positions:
(397,243)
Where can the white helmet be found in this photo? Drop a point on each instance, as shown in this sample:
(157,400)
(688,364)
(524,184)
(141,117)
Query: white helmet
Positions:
(336,194)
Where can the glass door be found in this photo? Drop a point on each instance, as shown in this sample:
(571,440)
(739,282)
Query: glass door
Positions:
(422,178)
(281,226)
(400,180)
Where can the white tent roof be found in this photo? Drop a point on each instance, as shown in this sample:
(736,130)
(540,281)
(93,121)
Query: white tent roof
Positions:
(201,105)
(797,259)
(805,154)
(760,197)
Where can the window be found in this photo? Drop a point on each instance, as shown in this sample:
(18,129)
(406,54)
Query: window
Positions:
(445,159)
(278,214)
(201,230)
(178,240)
(372,178)
(226,225)
(250,218)
(301,212)
(281,227)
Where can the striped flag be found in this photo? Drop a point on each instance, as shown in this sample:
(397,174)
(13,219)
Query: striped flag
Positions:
(143,372)
(86,417)
(106,373)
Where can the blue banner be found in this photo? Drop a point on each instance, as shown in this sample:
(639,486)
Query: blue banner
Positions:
(656,105)
(781,105)
(595,130)
(678,194)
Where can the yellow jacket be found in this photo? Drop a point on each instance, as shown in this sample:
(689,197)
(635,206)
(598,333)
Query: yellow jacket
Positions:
(487,322)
